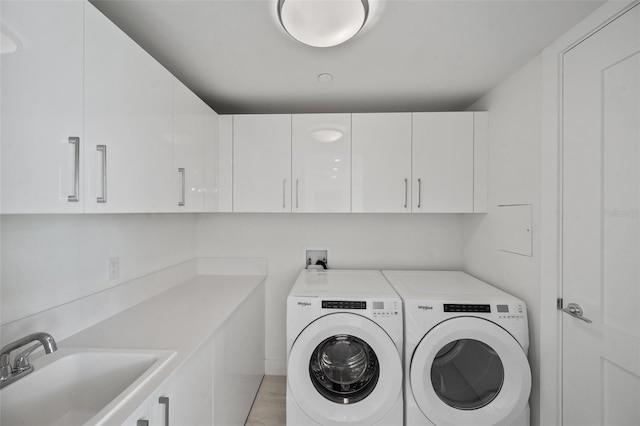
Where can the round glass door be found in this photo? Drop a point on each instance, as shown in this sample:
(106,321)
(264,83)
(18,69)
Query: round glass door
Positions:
(467,374)
(469,370)
(344,369)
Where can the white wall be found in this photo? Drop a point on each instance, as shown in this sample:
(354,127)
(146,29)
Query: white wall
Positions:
(49,260)
(372,241)
(514,178)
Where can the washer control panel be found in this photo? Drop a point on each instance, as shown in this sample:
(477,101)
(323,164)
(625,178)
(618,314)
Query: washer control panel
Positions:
(344,304)
(375,308)
(385,309)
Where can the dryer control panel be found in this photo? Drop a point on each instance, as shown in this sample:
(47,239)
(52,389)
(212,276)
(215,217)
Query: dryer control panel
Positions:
(510,311)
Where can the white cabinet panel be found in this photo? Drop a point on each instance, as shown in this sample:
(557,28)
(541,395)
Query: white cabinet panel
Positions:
(480,161)
(381,162)
(190,115)
(41,107)
(321,163)
(443,162)
(239,354)
(262,163)
(223,188)
(128,109)
(187,394)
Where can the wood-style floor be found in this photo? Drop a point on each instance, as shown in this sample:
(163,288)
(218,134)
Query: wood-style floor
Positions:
(269,408)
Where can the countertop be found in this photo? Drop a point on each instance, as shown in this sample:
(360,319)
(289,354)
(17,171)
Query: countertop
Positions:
(181,319)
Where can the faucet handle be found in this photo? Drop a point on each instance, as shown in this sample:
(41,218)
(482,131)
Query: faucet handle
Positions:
(5,366)
(21,362)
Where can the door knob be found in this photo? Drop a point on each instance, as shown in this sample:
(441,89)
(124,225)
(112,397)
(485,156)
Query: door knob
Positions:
(576,311)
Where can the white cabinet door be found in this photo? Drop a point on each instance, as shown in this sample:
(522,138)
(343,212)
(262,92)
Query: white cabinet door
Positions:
(381,163)
(139,416)
(321,163)
(128,112)
(262,163)
(187,396)
(42,107)
(190,115)
(443,162)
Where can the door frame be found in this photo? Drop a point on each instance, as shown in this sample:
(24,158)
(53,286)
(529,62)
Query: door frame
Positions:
(551,206)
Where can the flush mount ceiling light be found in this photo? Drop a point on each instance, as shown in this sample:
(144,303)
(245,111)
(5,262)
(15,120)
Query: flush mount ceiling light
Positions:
(323,23)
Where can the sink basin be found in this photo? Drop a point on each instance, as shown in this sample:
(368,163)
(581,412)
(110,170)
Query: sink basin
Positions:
(77,386)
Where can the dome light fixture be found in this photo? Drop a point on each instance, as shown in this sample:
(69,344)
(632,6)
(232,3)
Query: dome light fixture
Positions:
(323,23)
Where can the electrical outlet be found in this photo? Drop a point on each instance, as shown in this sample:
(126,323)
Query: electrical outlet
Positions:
(114,268)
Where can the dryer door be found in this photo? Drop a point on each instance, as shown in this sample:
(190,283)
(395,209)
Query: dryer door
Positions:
(469,370)
(344,368)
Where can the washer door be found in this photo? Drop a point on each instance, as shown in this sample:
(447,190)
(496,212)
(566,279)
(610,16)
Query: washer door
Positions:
(344,368)
(469,370)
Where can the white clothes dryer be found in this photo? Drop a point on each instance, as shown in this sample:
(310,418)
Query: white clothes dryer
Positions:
(344,350)
(466,348)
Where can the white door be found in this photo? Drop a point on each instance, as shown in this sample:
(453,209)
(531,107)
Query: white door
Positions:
(381,163)
(442,162)
(601,226)
(321,163)
(42,132)
(262,163)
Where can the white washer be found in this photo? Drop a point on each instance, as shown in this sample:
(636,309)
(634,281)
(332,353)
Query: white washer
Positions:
(344,350)
(466,348)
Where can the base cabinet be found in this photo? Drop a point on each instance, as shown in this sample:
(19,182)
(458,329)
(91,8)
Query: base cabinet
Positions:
(239,361)
(218,383)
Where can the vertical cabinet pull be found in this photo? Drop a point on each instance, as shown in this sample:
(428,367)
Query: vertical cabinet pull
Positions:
(103,150)
(406,192)
(419,192)
(76,170)
(284,193)
(164,400)
(181,203)
(297,181)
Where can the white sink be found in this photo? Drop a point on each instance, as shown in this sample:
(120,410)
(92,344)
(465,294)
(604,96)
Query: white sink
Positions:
(77,386)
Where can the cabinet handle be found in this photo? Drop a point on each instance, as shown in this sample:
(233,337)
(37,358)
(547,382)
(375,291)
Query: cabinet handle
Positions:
(142,422)
(103,149)
(76,174)
(284,193)
(182,196)
(297,181)
(406,192)
(419,192)
(165,401)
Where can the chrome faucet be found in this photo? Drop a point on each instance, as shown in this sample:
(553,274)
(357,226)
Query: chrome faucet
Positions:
(21,365)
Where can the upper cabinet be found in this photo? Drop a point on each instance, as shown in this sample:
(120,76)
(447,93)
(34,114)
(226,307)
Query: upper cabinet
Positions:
(92,123)
(381,163)
(442,162)
(128,99)
(262,163)
(193,127)
(42,125)
(371,163)
(321,163)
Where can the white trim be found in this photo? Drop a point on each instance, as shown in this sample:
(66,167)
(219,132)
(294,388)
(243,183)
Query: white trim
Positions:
(550,212)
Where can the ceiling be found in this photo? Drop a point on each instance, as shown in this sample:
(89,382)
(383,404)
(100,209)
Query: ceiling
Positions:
(413,55)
